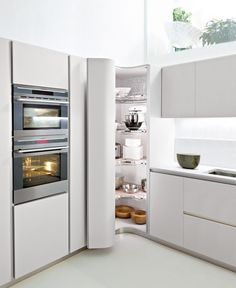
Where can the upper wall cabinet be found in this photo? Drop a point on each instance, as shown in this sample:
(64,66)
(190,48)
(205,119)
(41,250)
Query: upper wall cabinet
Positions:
(200,89)
(178,91)
(216,87)
(38,66)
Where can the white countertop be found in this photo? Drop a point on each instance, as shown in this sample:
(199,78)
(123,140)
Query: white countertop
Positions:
(201,172)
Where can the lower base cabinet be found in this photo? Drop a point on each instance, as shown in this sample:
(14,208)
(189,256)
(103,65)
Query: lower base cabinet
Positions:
(166,208)
(41,233)
(211,239)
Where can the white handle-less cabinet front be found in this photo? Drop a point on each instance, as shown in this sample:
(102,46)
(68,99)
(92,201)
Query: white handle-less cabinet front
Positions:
(38,66)
(178,91)
(5,163)
(166,208)
(41,233)
(216,87)
(200,89)
(210,239)
(211,200)
(78,82)
(101,153)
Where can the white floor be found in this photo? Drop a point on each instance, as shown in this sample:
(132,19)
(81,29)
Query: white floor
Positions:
(134,262)
(128,223)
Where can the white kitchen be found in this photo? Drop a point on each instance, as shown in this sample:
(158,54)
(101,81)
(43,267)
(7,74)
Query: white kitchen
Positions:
(118,145)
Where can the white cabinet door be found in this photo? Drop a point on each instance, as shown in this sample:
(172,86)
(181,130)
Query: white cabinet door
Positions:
(216,87)
(211,200)
(78,84)
(38,66)
(101,153)
(166,208)
(41,233)
(5,164)
(178,91)
(211,239)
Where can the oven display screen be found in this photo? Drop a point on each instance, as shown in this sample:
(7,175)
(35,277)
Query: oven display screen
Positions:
(42,169)
(41,117)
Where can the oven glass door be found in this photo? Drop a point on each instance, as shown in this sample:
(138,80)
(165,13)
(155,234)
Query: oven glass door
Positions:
(41,117)
(39,168)
(34,118)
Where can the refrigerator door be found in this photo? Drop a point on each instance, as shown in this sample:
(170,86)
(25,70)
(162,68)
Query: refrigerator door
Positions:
(101,153)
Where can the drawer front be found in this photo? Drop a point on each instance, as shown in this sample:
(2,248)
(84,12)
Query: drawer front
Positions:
(211,200)
(211,239)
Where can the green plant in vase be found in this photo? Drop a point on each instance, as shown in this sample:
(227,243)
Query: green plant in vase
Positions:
(180,15)
(219,31)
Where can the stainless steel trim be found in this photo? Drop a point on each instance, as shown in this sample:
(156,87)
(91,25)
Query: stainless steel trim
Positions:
(36,100)
(21,134)
(26,146)
(22,151)
(41,191)
(39,88)
(42,138)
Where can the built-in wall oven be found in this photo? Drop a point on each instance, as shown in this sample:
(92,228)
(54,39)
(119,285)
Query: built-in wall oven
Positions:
(40,143)
(39,111)
(39,173)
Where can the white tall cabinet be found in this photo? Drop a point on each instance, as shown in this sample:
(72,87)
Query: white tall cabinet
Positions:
(78,84)
(5,164)
(101,153)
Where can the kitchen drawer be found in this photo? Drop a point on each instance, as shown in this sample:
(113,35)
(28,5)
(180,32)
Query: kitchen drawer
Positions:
(211,200)
(214,240)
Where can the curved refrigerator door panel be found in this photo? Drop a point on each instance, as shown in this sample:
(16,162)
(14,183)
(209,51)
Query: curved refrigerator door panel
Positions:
(101,153)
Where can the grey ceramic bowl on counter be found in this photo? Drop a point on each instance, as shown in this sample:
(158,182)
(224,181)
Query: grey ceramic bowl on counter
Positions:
(188,161)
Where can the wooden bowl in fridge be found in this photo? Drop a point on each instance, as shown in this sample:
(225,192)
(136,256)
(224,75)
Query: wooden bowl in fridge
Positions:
(124,211)
(139,217)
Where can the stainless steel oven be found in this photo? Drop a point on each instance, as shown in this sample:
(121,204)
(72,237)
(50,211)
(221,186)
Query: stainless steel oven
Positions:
(39,111)
(39,172)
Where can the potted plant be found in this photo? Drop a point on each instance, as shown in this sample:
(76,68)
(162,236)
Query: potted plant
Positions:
(181,15)
(181,33)
(219,31)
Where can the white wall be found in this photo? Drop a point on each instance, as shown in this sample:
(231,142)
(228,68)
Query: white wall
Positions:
(88,28)
(213,138)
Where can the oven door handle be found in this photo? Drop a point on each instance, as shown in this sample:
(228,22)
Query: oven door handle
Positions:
(23,151)
(27,100)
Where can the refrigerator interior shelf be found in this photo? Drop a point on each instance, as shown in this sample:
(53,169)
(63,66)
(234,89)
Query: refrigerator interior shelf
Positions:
(140,195)
(130,162)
